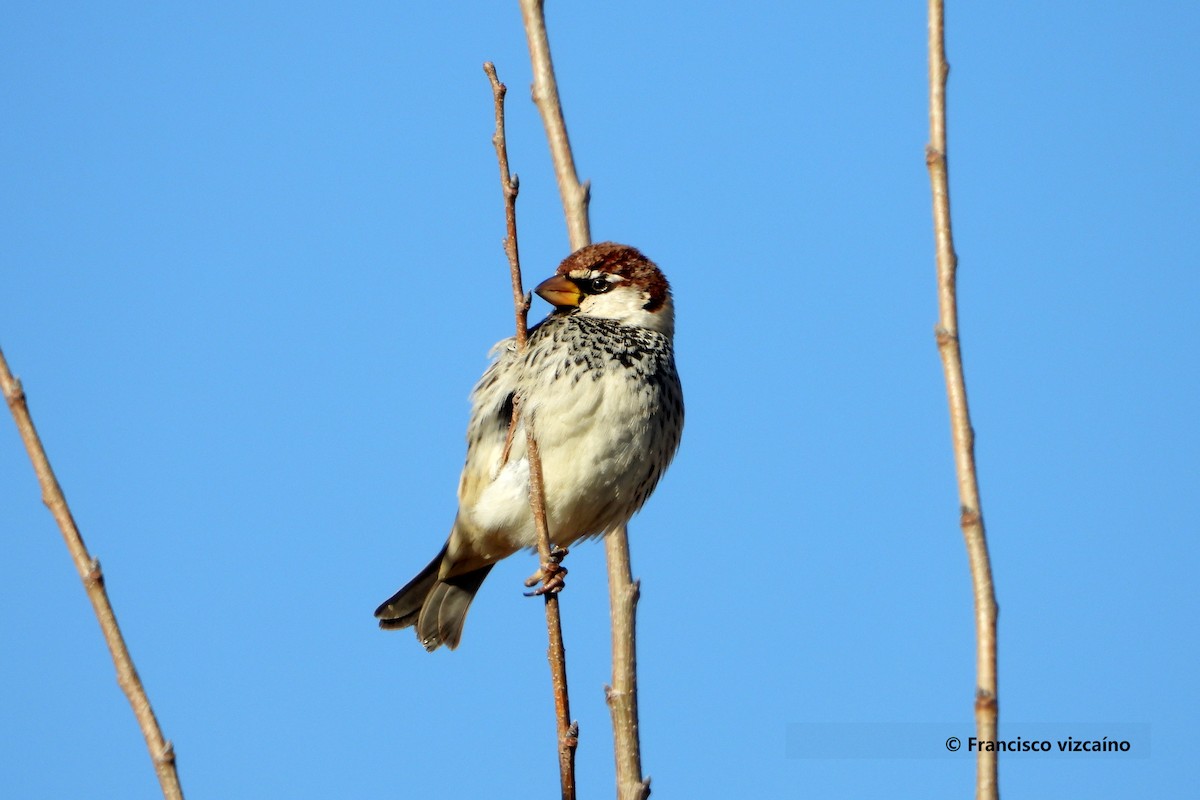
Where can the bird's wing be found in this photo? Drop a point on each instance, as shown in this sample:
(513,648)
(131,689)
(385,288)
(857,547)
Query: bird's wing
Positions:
(491,415)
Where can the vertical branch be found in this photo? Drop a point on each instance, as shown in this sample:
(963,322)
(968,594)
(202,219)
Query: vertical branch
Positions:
(575,196)
(623,593)
(510,185)
(962,434)
(161,751)
(568,734)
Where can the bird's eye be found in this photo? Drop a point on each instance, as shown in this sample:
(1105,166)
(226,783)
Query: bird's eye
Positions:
(599,285)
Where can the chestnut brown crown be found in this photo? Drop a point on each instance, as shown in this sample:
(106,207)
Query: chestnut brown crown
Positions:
(624,261)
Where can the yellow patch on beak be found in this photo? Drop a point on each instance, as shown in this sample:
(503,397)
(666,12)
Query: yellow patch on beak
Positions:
(559,291)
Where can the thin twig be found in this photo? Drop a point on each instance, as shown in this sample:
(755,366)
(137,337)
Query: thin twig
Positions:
(510,185)
(568,733)
(623,593)
(962,434)
(161,752)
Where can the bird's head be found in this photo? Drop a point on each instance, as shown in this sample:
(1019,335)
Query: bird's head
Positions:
(612,281)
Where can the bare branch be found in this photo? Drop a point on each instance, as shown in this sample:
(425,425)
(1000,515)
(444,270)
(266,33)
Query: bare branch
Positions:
(161,752)
(510,185)
(568,732)
(545,95)
(622,696)
(962,434)
(551,572)
(623,594)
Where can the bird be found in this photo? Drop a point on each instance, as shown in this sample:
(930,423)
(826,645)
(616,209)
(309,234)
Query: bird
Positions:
(597,382)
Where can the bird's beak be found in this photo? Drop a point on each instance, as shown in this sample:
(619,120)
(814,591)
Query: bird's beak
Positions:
(559,291)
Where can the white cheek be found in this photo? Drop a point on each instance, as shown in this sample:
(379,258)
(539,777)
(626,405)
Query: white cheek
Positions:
(627,305)
(617,304)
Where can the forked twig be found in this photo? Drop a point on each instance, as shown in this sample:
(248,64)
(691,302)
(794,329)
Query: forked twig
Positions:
(568,733)
(161,751)
(962,434)
(623,592)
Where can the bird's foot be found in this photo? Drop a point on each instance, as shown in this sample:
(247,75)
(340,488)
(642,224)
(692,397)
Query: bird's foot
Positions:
(550,574)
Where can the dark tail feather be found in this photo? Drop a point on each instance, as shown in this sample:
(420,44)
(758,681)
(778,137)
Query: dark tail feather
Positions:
(445,610)
(437,608)
(401,609)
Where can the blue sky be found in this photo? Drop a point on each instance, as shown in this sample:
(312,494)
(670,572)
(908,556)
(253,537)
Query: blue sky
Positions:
(250,263)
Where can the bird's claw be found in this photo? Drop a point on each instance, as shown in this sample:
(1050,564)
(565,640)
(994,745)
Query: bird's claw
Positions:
(550,574)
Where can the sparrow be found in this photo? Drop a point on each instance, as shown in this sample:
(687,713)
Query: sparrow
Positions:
(597,382)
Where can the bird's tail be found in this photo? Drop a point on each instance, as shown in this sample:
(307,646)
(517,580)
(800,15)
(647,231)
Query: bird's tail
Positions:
(437,608)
